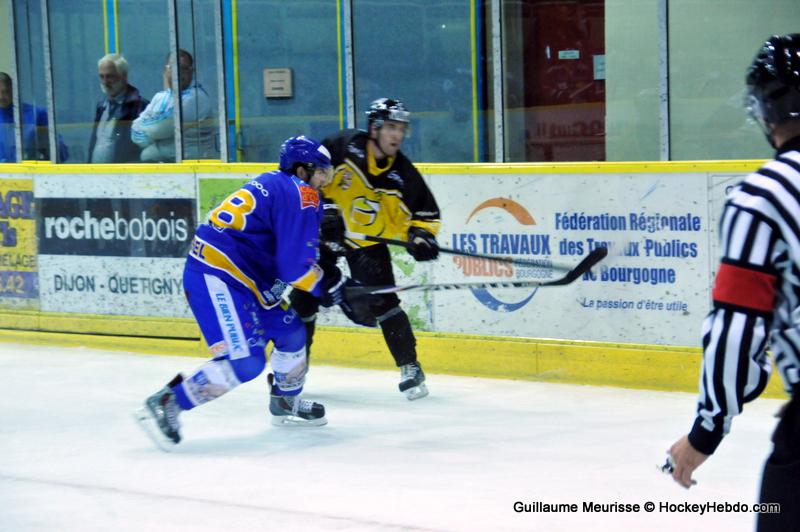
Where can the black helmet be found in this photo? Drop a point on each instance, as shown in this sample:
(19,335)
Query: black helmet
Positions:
(387,109)
(773,80)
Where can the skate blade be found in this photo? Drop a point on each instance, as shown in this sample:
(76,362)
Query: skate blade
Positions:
(295,421)
(417,392)
(149,426)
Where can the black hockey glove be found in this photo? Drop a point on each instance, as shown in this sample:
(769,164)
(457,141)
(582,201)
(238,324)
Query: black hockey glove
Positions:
(356,309)
(423,244)
(332,228)
(333,289)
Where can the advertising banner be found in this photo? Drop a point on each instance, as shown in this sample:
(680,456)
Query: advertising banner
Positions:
(212,189)
(652,288)
(115,244)
(18,280)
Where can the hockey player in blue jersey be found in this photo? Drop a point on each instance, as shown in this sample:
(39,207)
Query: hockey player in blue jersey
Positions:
(259,241)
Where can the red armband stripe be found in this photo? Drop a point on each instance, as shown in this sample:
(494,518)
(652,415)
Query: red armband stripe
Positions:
(744,288)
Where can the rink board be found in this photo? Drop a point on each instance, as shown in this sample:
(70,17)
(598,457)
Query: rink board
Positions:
(635,321)
(114,244)
(19,282)
(652,288)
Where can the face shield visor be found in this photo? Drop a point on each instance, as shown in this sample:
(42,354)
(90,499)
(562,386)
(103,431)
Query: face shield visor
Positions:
(403,117)
(754,109)
(395,115)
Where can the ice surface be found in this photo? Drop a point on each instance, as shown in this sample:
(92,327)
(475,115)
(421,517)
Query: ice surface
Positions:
(72,459)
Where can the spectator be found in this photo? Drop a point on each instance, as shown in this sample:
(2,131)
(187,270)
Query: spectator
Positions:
(35,144)
(154,129)
(111,135)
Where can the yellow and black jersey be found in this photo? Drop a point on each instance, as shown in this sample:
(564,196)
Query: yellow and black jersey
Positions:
(379,200)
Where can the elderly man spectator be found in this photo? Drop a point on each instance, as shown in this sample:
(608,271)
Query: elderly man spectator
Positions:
(154,130)
(111,135)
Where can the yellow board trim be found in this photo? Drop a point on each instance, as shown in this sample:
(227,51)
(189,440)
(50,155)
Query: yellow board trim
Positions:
(183,328)
(473,42)
(339,66)
(591,168)
(131,344)
(667,167)
(105,26)
(651,367)
(116,27)
(639,366)
(237,115)
(191,167)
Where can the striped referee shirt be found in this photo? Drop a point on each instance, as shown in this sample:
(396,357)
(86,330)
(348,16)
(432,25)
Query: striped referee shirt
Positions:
(756,297)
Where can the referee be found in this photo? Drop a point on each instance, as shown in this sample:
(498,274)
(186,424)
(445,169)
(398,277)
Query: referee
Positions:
(757,293)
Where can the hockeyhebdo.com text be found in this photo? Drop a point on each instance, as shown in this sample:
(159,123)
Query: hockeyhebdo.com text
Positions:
(705,508)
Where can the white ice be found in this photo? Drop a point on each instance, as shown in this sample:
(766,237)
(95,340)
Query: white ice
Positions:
(72,459)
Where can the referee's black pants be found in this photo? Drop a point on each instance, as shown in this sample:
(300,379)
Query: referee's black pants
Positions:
(780,482)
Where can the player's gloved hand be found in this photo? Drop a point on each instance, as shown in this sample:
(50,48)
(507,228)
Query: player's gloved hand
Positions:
(333,291)
(357,309)
(423,244)
(332,227)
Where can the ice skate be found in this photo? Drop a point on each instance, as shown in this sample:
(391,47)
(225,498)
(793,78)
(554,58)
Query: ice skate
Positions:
(412,381)
(159,418)
(293,410)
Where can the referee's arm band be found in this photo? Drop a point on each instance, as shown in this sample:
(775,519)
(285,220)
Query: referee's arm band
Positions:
(743,287)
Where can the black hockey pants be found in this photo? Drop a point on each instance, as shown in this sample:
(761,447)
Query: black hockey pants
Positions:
(370,266)
(780,482)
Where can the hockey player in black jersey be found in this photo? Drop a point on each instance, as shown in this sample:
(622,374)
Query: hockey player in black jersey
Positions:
(378,192)
(756,294)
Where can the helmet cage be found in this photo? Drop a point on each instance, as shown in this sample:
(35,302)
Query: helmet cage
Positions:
(385,109)
(773,81)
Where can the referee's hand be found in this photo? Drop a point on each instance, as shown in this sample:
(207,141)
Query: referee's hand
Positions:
(685,459)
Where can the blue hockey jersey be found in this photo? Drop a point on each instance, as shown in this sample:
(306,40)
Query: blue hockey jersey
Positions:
(264,236)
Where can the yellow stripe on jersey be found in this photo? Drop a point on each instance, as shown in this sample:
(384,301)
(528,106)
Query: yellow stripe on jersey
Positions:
(368,210)
(431,226)
(309,280)
(208,254)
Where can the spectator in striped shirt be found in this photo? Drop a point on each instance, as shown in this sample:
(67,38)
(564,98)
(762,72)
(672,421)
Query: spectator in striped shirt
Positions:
(756,294)
(154,130)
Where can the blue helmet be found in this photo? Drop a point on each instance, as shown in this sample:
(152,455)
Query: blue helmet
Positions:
(305,152)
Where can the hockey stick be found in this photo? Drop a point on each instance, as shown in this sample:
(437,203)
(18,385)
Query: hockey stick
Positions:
(583,266)
(450,251)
